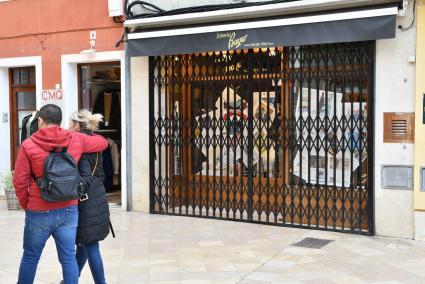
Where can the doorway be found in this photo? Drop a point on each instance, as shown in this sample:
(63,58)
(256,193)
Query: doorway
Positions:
(22,106)
(100,92)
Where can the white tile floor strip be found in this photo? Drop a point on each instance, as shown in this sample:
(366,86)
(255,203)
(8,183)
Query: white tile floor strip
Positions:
(165,249)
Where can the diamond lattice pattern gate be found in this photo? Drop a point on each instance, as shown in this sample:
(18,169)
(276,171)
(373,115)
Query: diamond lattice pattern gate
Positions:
(276,135)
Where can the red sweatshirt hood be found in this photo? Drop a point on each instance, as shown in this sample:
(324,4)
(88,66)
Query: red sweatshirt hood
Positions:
(51,137)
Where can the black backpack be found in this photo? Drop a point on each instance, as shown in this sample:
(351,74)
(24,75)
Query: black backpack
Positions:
(61,180)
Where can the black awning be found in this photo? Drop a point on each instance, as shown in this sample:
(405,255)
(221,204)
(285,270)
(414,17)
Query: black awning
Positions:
(152,43)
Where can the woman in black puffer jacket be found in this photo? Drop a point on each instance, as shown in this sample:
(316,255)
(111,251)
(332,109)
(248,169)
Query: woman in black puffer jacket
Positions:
(93,208)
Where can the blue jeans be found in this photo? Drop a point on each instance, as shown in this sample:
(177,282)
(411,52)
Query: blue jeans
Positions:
(39,226)
(91,253)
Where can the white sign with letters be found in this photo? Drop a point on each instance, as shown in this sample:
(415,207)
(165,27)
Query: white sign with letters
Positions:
(55,97)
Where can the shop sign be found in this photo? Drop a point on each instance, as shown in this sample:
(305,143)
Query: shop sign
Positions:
(55,97)
(235,41)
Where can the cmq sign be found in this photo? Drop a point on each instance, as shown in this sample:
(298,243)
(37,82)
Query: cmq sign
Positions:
(55,97)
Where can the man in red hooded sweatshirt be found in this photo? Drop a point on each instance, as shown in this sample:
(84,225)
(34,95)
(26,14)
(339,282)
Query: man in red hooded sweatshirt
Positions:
(42,218)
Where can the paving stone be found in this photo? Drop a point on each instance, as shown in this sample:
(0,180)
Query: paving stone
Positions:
(168,250)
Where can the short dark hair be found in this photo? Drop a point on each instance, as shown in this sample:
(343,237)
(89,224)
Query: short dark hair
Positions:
(51,114)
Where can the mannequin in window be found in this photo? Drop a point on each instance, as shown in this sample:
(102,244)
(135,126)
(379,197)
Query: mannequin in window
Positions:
(108,104)
(29,125)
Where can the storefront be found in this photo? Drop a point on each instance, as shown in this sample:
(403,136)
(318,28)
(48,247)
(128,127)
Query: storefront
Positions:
(73,62)
(98,82)
(294,114)
(268,121)
(20,82)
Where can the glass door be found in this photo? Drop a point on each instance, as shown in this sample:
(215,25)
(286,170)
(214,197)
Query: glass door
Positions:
(22,103)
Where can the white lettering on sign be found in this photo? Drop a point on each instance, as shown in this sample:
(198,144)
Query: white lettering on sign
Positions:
(236,42)
(55,97)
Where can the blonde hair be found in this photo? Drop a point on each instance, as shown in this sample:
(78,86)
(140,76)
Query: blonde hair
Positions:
(87,120)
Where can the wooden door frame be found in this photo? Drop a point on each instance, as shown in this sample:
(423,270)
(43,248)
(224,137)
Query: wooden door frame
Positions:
(13,110)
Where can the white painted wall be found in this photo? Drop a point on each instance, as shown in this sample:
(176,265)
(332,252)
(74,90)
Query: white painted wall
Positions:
(395,90)
(69,64)
(5,64)
(140,166)
(419,226)
(4,126)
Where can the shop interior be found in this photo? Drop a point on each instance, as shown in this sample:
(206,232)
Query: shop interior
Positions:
(265,118)
(100,92)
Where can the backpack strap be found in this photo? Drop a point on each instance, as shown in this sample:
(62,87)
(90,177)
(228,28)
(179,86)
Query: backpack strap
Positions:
(83,193)
(59,150)
(95,165)
(112,229)
(36,180)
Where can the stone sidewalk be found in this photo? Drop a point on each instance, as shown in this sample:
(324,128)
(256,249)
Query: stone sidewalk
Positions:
(163,249)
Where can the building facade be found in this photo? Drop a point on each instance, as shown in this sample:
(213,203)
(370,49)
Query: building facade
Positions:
(306,113)
(332,147)
(65,53)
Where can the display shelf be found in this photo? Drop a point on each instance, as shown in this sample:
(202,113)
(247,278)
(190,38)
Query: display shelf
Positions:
(103,82)
(106,131)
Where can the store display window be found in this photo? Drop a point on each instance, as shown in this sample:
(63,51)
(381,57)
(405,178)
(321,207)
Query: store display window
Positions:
(263,133)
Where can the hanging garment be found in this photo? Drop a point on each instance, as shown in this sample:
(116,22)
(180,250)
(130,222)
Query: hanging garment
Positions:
(115,155)
(108,104)
(107,101)
(107,169)
(29,125)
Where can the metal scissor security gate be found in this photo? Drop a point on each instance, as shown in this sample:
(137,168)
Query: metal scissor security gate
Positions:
(279,135)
